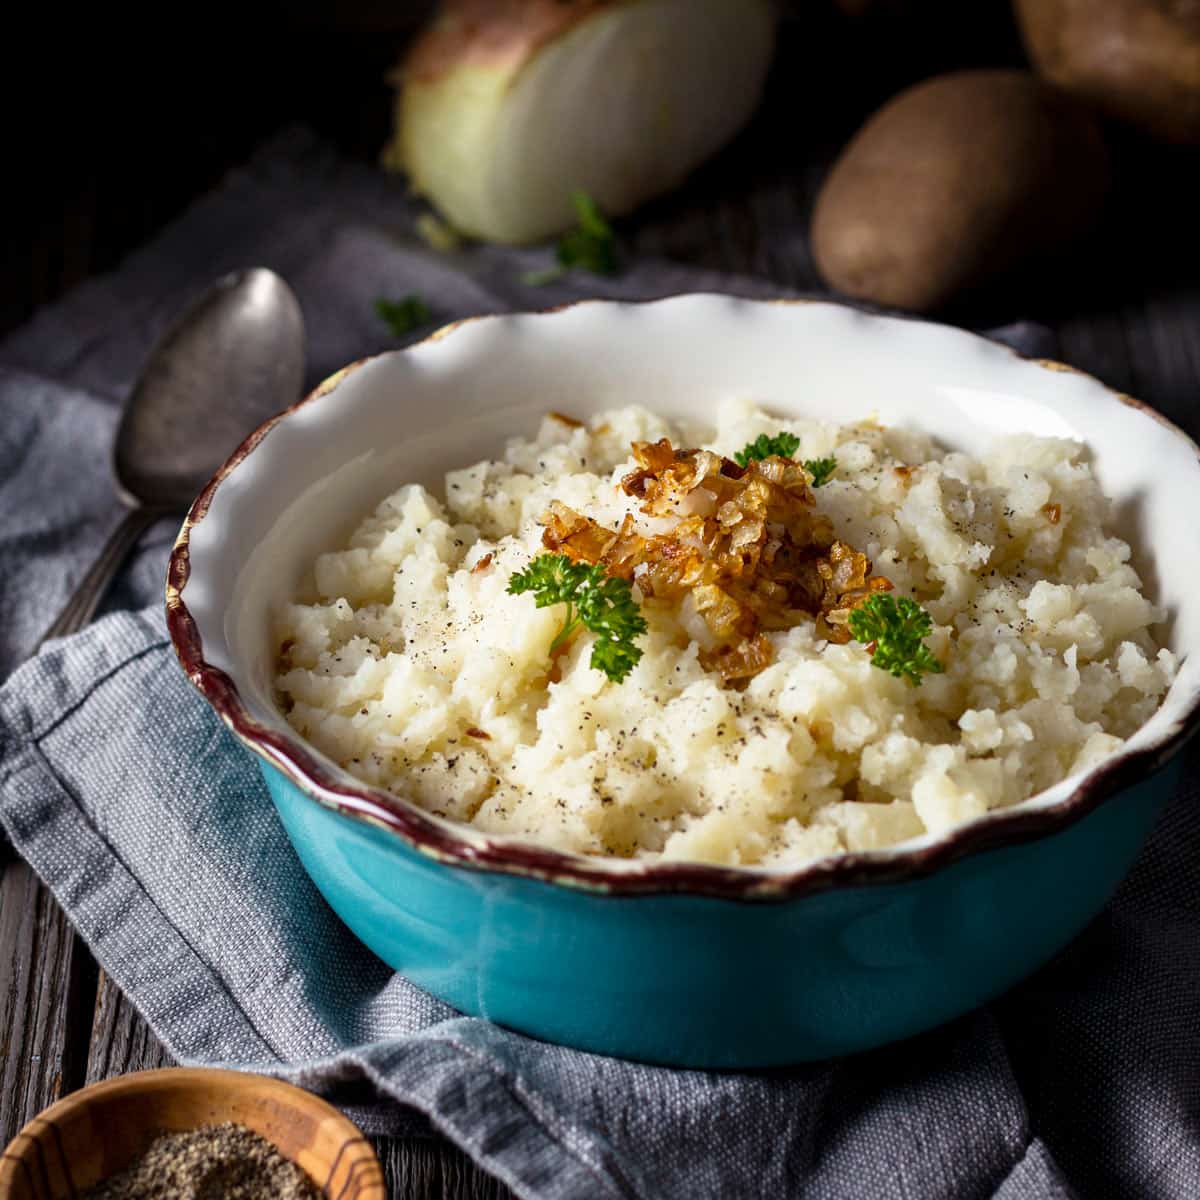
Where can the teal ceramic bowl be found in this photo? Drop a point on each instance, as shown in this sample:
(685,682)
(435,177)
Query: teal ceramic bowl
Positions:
(684,964)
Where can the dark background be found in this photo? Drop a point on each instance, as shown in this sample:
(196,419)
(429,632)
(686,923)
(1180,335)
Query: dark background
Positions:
(120,118)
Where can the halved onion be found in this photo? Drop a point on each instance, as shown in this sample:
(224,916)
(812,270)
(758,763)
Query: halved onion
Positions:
(506,107)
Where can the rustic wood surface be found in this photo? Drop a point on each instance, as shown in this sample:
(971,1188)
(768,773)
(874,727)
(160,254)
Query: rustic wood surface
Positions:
(1128,311)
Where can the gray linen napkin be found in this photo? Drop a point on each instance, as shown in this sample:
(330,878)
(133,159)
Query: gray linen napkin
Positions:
(119,786)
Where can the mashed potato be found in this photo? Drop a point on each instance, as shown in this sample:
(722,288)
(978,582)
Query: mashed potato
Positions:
(407,661)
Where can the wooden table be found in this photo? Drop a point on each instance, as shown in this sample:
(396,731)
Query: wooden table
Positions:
(1129,313)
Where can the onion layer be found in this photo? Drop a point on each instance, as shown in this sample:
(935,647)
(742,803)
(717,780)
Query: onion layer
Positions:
(505,109)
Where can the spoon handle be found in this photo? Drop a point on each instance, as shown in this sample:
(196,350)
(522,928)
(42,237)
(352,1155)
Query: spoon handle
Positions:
(79,610)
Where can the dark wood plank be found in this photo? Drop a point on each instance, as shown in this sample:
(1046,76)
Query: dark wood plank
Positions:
(1163,340)
(120,1040)
(433,1169)
(1150,350)
(47,980)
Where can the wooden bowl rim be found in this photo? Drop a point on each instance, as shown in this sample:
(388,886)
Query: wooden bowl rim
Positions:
(217,1081)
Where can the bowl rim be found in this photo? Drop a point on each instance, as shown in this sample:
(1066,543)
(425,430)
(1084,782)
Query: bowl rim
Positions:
(510,855)
(365,1167)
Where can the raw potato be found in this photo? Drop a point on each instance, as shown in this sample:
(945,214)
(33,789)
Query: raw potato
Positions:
(508,106)
(1136,60)
(954,182)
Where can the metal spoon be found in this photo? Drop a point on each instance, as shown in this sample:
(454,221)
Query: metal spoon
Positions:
(235,358)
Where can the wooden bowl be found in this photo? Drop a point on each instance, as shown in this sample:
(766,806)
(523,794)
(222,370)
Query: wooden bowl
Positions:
(98,1131)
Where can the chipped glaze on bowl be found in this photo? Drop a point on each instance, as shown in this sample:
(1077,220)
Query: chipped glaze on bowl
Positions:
(680,963)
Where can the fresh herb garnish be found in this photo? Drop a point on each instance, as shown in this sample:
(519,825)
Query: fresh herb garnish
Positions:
(820,469)
(784,445)
(597,601)
(591,246)
(402,316)
(892,629)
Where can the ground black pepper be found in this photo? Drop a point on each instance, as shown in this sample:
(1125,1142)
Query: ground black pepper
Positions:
(215,1162)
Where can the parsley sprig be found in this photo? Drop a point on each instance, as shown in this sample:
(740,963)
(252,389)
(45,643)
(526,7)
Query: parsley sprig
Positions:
(597,601)
(784,445)
(591,246)
(820,469)
(402,316)
(893,628)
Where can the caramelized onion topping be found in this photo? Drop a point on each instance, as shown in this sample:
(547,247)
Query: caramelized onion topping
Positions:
(748,551)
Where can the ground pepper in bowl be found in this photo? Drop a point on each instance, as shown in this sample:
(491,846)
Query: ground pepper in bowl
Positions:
(214,1162)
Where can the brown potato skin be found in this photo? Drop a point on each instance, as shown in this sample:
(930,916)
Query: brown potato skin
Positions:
(1135,60)
(955,182)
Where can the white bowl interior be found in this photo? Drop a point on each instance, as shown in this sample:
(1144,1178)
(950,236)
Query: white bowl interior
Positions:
(411,416)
